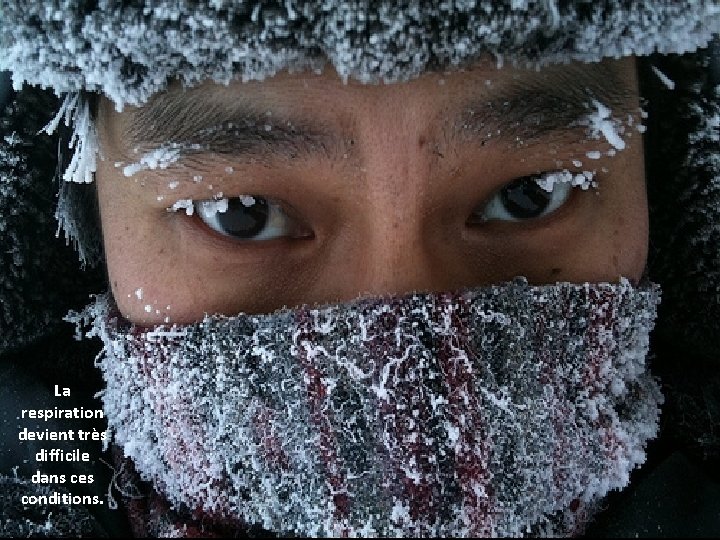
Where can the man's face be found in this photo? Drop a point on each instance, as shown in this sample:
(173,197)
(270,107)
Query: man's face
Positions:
(339,190)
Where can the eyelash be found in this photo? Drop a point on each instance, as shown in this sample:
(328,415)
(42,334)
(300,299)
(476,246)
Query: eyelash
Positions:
(261,213)
(264,219)
(555,186)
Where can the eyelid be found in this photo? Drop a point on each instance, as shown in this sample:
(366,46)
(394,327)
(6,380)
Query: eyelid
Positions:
(495,206)
(280,223)
(584,180)
(560,181)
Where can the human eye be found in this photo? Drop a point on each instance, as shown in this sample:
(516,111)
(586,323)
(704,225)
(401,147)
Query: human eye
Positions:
(249,218)
(531,197)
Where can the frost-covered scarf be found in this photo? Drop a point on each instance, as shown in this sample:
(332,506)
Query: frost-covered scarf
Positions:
(506,410)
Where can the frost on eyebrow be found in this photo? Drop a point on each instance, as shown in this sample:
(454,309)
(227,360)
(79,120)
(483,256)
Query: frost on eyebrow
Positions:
(551,105)
(600,124)
(206,121)
(159,158)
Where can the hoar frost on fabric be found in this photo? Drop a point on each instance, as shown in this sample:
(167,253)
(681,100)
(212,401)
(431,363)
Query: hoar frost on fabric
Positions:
(684,193)
(683,169)
(129,51)
(42,521)
(29,308)
(75,112)
(507,410)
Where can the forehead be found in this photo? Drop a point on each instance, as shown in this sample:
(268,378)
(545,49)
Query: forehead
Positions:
(534,100)
(481,78)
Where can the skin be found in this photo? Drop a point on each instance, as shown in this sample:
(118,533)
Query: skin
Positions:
(390,217)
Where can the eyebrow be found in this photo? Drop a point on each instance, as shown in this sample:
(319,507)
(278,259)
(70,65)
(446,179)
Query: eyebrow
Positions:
(531,109)
(528,109)
(203,124)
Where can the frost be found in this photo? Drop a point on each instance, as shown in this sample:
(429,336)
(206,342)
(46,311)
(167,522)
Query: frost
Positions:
(593,154)
(600,123)
(160,334)
(488,423)
(12,139)
(210,208)
(247,200)
(160,158)
(183,204)
(130,54)
(134,57)
(83,142)
(584,180)
(664,78)
(139,294)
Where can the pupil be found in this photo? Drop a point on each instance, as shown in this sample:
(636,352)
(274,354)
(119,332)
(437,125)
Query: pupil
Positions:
(525,199)
(244,221)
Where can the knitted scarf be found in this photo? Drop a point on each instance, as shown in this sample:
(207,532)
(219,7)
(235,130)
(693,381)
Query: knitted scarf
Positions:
(507,410)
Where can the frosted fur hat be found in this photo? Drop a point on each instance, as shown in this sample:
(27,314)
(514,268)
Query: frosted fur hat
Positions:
(130,50)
